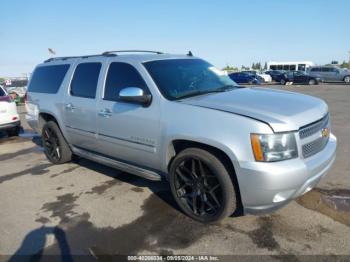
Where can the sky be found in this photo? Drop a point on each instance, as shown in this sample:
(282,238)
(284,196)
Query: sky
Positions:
(226,32)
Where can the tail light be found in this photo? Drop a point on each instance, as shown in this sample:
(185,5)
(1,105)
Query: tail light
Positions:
(6,99)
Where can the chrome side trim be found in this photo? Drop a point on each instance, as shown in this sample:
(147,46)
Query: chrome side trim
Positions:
(138,171)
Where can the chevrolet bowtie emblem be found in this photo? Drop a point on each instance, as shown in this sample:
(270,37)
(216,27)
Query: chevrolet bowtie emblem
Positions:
(325,132)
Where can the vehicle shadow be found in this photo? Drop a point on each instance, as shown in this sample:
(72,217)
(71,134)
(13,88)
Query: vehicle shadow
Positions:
(157,187)
(160,188)
(33,245)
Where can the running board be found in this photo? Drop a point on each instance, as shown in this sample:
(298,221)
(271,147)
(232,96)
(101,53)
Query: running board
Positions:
(138,171)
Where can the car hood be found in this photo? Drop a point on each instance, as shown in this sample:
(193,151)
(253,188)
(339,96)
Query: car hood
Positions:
(282,110)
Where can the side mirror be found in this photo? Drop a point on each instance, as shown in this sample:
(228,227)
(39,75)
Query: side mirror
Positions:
(135,95)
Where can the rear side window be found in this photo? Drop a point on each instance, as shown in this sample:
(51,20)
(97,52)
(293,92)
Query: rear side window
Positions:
(119,76)
(47,79)
(84,82)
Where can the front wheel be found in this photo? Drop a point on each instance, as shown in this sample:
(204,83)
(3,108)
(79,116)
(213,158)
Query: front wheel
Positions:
(55,146)
(283,82)
(347,79)
(202,186)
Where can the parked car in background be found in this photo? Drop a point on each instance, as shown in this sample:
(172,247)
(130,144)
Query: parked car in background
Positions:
(276,75)
(300,77)
(178,117)
(265,77)
(17,93)
(9,118)
(331,73)
(246,78)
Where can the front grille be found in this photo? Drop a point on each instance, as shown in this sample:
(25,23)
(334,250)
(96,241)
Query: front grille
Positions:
(314,147)
(318,144)
(313,128)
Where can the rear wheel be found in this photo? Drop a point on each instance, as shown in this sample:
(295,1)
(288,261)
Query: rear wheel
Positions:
(13,131)
(55,146)
(283,82)
(312,82)
(347,79)
(202,186)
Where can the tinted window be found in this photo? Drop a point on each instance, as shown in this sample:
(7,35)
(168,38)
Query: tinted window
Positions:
(315,69)
(119,76)
(292,67)
(273,67)
(301,67)
(47,79)
(85,80)
(327,69)
(2,93)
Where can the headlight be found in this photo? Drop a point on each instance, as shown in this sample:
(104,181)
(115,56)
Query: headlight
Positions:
(275,147)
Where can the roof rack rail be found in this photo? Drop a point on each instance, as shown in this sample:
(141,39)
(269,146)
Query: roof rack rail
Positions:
(68,57)
(132,51)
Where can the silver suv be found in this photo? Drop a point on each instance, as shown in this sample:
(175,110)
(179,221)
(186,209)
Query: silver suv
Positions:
(330,73)
(221,147)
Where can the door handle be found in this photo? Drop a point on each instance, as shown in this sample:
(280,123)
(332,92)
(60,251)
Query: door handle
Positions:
(70,106)
(105,113)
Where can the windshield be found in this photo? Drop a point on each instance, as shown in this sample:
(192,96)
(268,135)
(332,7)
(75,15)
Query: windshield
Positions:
(180,78)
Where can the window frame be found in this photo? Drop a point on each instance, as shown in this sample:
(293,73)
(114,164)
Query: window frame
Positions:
(73,74)
(146,89)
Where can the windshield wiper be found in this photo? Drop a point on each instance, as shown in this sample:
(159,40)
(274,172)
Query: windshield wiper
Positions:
(203,92)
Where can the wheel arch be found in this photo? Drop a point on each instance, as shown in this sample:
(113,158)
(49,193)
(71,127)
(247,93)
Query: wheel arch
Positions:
(45,117)
(178,145)
(345,77)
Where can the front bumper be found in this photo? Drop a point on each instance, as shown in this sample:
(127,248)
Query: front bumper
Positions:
(10,125)
(265,187)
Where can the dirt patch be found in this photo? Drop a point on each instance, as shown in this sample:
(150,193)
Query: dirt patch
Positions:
(160,228)
(43,220)
(37,170)
(263,236)
(137,189)
(27,151)
(62,207)
(66,171)
(332,203)
(99,190)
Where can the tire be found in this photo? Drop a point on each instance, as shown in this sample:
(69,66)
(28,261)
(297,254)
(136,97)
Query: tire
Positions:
(55,146)
(283,82)
(13,131)
(347,79)
(312,82)
(208,189)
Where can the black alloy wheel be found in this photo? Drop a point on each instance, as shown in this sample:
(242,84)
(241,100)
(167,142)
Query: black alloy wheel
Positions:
(55,146)
(202,186)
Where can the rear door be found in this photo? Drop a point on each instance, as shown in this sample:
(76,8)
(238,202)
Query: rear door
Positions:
(80,103)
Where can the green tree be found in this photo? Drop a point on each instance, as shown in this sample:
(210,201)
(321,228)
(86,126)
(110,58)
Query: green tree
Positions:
(345,65)
(265,66)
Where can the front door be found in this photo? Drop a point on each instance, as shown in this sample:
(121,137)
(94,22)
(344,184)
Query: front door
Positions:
(80,105)
(126,131)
